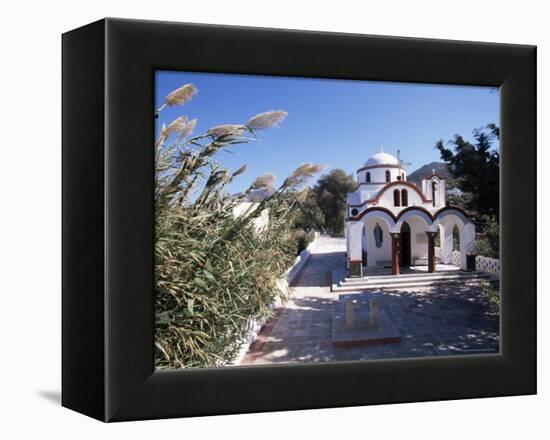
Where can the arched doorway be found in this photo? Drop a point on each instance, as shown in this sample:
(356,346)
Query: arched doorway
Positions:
(405,245)
(457,237)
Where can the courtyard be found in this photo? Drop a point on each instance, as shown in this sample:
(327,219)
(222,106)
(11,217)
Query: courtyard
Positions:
(438,320)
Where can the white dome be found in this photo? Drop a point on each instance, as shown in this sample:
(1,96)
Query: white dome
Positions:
(381,158)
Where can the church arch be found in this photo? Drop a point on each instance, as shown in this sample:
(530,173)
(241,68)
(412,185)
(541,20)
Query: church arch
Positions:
(414,212)
(447,211)
(380,215)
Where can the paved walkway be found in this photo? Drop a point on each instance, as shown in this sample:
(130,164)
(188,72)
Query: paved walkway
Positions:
(432,321)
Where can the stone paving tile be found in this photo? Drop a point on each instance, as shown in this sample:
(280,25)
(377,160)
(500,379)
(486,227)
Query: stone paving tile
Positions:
(433,321)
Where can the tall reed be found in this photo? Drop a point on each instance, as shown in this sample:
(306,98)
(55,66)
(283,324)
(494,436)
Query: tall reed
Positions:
(215,270)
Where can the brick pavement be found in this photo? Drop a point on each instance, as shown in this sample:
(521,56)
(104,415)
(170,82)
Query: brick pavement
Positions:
(432,321)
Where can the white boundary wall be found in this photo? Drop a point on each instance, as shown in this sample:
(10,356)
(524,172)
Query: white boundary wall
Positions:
(488,265)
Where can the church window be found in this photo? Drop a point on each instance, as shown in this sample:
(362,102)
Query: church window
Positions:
(396,197)
(434,188)
(387,175)
(404,198)
(378,237)
(354,212)
(367,177)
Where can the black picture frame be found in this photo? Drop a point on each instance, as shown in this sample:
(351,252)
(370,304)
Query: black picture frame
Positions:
(108,217)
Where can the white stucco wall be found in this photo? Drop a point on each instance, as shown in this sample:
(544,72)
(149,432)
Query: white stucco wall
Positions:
(419,239)
(260,222)
(382,255)
(440,192)
(414,198)
(466,230)
(354,234)
(378,174)
(367,192)
(377,256)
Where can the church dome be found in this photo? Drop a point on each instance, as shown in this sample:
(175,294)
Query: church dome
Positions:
(381,158)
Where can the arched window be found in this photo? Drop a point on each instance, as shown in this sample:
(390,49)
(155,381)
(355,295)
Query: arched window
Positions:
(367,177)
(404,198)
(396,197)
(434,187)
(378,236)
(456,239)
(387,175)
(403,177)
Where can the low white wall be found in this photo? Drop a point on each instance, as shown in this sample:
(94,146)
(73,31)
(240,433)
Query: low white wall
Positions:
(298,263)
(254,325)
(489,265)
(254,328)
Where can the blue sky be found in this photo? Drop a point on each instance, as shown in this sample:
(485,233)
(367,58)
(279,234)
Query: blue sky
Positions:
(338,123)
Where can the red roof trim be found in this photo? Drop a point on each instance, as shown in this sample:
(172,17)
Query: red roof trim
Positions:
(399,182)
(411,208)
(385,188)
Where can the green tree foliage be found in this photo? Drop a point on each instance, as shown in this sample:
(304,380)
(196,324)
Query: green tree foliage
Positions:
(215,270)
(460,200)
(309,216)
(325,205)
(475,168)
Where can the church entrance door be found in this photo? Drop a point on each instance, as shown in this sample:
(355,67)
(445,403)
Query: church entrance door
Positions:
(405,245)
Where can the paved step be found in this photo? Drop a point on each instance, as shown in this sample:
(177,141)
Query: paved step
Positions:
(341,284)
(347,288)
(408,275)
(411,278)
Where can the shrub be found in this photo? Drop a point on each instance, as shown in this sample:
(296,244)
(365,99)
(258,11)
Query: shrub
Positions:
(483,248)
(490,293)
(303,239)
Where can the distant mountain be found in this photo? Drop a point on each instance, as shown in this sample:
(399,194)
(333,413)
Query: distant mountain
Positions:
(426,171)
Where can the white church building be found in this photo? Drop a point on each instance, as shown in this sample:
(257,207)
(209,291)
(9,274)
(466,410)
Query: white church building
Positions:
(393,223)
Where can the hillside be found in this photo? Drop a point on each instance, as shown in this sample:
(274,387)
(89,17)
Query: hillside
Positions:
(426,170)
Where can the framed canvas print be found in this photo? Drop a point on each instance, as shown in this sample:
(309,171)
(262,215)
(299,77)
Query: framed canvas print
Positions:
(261,220)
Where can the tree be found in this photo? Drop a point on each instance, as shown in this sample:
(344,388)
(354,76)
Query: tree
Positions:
(475,167)
(309,216)
(329,194)
(458,199)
